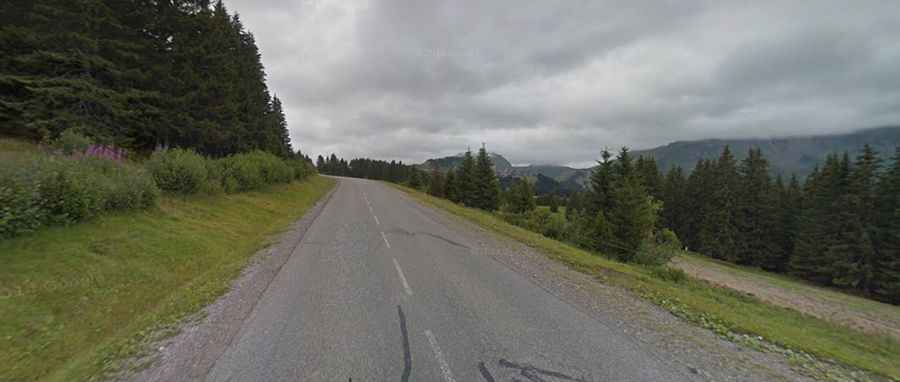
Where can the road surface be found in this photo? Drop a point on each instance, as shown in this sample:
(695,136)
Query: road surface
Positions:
(379,291)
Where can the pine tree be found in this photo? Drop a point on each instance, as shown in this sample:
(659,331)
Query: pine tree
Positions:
(487,187)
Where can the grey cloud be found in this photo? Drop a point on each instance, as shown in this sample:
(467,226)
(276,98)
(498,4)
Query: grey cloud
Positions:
(547,82)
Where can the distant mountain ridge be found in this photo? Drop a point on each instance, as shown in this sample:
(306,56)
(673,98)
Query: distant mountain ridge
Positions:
(501,165)
(788,155)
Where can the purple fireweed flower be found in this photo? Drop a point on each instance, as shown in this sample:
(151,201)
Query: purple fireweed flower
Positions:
(106,152)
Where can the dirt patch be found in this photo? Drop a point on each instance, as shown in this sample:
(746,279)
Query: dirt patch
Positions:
(854,312)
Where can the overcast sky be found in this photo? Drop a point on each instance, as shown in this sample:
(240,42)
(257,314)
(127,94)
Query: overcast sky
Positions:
(556,81)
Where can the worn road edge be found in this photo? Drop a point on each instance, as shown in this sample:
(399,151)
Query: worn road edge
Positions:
(204,337)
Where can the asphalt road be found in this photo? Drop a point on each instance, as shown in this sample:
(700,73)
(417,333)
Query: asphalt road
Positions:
(379,291)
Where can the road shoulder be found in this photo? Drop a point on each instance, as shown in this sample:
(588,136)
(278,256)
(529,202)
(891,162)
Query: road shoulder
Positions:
(203,338)
(674,341)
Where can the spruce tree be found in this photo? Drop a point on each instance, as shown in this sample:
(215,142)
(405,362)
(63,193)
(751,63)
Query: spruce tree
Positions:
(623,168)
(718,234)
(452,187)
(553,202)
(698,204)
(521,197)
(650,176)
(789,208)
(853,252)
(674,201)
(756,218)
(572,206)
(466,179)
(886,282)
(278,124)
(863,184)
(437,184)
(601,185)
(816,244)
(136,74)
(633,218)
(850,254)
(415,180)
(487,187)
(623,227)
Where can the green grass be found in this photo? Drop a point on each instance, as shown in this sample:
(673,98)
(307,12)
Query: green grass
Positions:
(720,309)
(75,301)
(561,211)
(14,150)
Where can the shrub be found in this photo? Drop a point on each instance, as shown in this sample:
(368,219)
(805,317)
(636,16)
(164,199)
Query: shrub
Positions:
(513,218)
(658,251)
(71,142)
(253,171)
(69,191)
(178,171)
(555,226)
(20,204)
(537,220)
(57,190)
(668,274)
(302,168)
(126,186)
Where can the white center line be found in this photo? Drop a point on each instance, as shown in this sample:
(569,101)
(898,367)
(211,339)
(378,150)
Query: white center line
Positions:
(402,278)
(385,240)
(376,219)
(445,368)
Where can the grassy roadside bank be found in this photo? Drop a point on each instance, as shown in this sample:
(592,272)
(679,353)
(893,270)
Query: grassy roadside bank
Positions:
(74,300)
(729,313)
